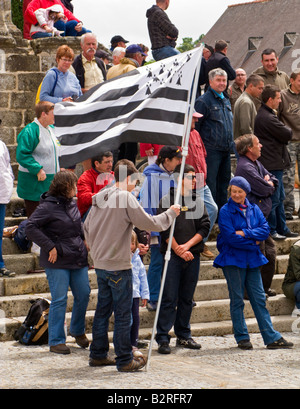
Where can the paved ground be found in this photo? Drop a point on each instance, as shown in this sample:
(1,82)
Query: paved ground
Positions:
(218,365)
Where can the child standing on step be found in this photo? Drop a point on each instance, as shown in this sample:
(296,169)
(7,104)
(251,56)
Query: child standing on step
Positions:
(140,289)
(6,188)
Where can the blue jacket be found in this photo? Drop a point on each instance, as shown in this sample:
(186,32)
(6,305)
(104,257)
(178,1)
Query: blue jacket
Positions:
(234,249)
(140,288)
(156,185)
(215,127)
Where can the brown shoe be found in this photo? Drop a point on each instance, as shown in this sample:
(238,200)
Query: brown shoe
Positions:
(102,362)
(60,349)
(134,365)
(81,340)
(207,253)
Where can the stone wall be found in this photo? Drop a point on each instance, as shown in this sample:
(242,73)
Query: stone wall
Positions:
(21,71)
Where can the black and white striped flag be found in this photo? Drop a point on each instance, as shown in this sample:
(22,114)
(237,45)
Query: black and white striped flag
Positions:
(146,105)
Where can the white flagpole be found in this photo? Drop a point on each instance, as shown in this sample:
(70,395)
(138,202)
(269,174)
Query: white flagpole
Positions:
(188,123)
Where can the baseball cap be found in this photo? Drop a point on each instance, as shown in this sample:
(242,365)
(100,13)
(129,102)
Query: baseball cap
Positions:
(135,48)
(170,152)
(117,39)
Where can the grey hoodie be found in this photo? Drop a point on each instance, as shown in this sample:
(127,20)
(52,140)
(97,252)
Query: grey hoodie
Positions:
(109,225)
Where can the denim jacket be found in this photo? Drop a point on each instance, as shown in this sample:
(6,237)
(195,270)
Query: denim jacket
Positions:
(215,127)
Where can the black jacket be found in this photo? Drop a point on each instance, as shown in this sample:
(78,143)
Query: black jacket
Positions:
(57,223)
(79,70)
(261,191)
(219,60)
(274,137)
(193,219)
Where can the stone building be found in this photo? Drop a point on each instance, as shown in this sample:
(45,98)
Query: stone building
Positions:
(251,27)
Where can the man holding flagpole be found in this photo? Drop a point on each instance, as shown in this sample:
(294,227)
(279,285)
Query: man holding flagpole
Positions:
(151,104)
(108,229)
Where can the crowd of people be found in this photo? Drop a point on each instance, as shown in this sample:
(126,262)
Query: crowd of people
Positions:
(255,119)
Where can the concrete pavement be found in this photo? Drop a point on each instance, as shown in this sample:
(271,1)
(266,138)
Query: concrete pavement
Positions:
(218,365)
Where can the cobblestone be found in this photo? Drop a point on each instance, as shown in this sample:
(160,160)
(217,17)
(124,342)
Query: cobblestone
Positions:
(218,365)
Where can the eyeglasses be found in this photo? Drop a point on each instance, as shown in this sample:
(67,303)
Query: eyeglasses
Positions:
(190,177)
(66,60)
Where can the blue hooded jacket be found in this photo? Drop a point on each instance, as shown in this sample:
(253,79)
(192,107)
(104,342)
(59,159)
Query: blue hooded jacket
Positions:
(157,184)
(234,249)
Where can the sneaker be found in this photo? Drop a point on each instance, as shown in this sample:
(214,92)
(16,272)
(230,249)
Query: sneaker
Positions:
(81,340)
(134,365)
(152,305)
(10,231)
(102,362)
(291,234)
(60,349)
(270,292)
(277,236)
(164,348)
(245,344)
(281,343)
(207,253)
(6,273)
(187,343)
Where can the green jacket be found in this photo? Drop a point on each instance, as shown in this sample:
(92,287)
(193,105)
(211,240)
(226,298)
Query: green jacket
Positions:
(279,78)
(293,272)
(37,149)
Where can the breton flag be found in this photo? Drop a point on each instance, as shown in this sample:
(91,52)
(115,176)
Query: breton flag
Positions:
(149,104)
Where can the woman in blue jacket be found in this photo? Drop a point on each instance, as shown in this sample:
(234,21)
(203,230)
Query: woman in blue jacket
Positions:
(57,228)
(242,227)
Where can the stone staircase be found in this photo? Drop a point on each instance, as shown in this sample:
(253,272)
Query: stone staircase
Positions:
(211,315)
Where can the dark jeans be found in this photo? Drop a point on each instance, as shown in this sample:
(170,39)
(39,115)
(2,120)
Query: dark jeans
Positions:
(68,28)
(134,335)
(114,295)
(154,272)
(2,222)
(177,300)
(218,175)
(276,219)
(268,248)
(164,52)
(128,151)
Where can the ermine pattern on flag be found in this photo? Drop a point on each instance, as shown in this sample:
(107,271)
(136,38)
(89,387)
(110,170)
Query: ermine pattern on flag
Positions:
(148,105)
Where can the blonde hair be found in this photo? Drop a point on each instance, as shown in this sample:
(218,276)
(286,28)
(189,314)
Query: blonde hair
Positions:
(134,240)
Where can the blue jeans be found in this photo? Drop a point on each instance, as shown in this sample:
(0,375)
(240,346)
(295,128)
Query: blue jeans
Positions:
(114,295)
(218,175)
(164,52)
(68,28)
(211,207)
(276,218)
(177,300)
(2,220)
(250,278)
(40,34)
(154,273)
(59,282)
(297,294)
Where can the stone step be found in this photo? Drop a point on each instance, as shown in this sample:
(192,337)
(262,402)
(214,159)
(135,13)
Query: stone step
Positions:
(13,221)
(211,299)
(18,304)
(25,283)
(208,319)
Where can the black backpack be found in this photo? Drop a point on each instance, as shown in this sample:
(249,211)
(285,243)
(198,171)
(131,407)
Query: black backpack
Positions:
(34,330)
